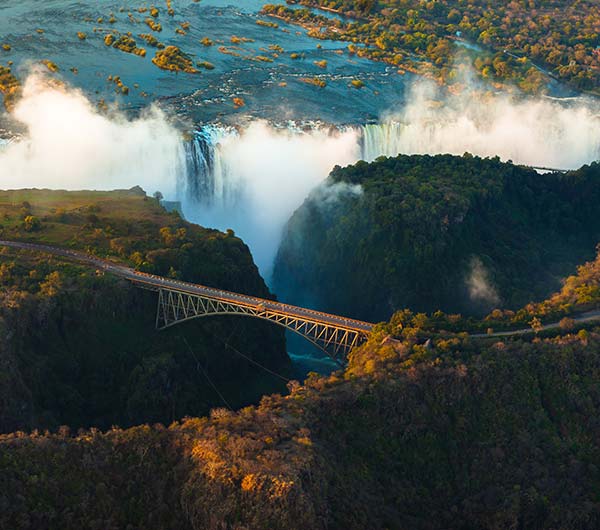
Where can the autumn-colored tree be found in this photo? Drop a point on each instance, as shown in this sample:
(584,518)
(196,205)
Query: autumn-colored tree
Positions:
(32,223)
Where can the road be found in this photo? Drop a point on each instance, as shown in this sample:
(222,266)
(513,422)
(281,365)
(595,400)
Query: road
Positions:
(160,282)
(589,316)
(157,282)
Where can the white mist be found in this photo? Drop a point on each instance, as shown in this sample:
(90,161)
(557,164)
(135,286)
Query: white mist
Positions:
(69,145)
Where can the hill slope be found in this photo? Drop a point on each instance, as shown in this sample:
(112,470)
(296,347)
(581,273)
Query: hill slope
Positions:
(452,233)
(424,429)
(81,349)
(455,434)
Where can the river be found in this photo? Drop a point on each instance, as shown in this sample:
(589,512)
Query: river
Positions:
(207,96)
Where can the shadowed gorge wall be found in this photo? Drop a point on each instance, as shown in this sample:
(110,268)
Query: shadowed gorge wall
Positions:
(453,233)
(81,349)
(463,434)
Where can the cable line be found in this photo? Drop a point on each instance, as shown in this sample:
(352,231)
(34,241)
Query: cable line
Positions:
(198,365)
(227,345)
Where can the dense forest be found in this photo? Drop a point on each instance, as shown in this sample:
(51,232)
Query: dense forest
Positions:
(80,348)
(459,234)
(450,432)
(577,301)
(516,38)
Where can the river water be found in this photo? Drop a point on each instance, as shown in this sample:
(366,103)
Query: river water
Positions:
(206,96)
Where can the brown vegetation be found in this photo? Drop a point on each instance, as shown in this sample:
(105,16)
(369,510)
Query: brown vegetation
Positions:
(125,43)
(173,59)
(53,67)
(9,87)
(315,81)
(515,37)
(449,435)
(153,24)
(151,40)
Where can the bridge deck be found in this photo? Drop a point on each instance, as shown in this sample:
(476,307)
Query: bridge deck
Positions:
(158,282)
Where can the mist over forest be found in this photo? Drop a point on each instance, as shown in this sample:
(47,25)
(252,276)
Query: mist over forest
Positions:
(261,172)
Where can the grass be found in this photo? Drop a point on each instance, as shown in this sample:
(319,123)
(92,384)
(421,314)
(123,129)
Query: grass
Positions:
(66,217)
(130,227)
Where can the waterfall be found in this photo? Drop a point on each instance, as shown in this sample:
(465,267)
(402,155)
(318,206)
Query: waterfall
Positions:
(252,180)
(208,180)
(224,163)
(381,139)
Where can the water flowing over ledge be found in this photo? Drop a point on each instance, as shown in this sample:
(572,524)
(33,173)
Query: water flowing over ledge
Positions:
(252,179)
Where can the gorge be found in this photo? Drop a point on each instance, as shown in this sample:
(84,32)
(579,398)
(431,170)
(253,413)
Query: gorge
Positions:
(175,175)
(252,177)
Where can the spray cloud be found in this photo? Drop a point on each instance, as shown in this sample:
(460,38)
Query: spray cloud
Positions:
(540,132)
(274,170)
(69,145)
(481,290)
(329,195)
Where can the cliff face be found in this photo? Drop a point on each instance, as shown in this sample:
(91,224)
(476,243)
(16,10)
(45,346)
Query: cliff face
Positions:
(460,234)
(90,356)
(456,436)
(424,429)
(81,349)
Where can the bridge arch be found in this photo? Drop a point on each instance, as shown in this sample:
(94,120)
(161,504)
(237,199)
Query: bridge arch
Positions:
(181,301)
(176,307)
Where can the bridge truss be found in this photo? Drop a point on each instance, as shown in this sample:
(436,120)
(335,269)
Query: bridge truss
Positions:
(175,307)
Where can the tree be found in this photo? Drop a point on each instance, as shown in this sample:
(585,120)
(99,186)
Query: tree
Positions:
(567,324)
(52,284)
(173,273)
(32,223)
(158,196)
(536,325)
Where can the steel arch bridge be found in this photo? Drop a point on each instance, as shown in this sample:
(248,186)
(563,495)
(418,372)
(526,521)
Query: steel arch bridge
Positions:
(175,307)
(183,301)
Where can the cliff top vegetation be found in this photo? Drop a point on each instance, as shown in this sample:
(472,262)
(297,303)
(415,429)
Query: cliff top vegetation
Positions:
(457,234)
(80,348)
(126,225)
(450,433)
